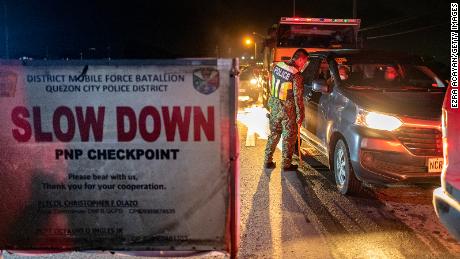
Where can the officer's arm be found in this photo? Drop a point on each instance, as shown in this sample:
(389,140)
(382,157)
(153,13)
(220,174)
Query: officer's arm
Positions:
(298,97)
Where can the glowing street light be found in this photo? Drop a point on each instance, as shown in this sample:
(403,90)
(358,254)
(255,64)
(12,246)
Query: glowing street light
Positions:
(248,42)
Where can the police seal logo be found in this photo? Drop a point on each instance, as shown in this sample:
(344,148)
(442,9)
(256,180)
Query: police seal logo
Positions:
(206,80)
(8,82)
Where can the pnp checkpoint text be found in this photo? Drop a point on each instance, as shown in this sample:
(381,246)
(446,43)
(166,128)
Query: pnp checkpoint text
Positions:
(117,154)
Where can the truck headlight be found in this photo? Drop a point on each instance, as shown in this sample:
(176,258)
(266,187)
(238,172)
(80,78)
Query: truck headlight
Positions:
(375,120)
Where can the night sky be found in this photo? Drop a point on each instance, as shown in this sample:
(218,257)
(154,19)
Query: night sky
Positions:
(194,28)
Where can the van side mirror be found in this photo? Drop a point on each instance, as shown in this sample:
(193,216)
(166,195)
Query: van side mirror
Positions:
(321,86)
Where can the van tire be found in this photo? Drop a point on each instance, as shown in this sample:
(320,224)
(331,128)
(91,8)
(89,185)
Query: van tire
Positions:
(345,178)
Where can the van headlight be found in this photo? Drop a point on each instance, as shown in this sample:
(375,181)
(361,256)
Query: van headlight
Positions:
(375,120)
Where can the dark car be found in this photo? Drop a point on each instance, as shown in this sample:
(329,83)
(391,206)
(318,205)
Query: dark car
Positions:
(376,115)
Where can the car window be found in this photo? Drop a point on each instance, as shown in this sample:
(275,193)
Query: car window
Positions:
(318,71)
(391,76)
(323,72)
(310,72)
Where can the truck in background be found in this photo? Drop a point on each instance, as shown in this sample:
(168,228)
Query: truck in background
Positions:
(313,34)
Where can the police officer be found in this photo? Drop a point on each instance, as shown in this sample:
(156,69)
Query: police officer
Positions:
(286,108)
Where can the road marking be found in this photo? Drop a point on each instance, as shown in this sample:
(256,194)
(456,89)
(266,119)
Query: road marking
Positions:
(250,138)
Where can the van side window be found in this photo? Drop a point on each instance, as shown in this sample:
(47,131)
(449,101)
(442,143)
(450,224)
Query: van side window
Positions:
(324,72)
(310,72)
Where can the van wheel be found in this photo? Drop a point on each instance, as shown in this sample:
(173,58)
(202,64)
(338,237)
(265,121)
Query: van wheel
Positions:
(345,178)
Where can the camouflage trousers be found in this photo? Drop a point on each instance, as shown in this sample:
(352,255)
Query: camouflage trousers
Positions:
(282,123)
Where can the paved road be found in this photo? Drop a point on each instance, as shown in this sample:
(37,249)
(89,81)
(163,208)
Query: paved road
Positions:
(273,213)
(301,215)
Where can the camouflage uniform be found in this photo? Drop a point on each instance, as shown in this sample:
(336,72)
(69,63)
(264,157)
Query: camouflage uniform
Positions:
(286,108)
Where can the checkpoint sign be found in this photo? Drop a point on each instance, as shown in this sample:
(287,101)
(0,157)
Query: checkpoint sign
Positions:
(119,155)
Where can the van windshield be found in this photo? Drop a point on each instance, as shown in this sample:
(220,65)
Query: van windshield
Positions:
(389,76)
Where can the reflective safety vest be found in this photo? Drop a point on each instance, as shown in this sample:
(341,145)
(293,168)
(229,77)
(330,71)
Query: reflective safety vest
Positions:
(282,78)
